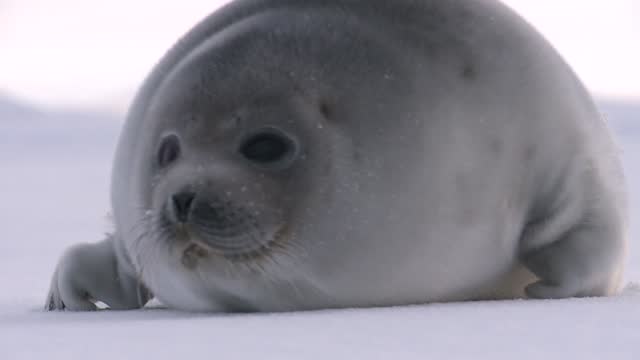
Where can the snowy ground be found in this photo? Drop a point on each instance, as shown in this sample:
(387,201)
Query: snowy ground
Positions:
(54,179)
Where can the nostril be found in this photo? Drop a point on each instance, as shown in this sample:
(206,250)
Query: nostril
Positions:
(182,203)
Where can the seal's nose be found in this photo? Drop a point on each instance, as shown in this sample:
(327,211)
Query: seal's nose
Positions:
(182,203)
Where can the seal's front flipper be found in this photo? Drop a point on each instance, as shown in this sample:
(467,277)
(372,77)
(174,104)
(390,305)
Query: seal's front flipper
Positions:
(74,298)
(88,273)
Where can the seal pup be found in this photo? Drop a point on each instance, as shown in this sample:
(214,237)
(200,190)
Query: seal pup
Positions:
(294,155)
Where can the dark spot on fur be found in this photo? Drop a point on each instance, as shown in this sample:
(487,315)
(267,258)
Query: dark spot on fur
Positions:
(468,72)
(496,146)
(357,154)
(529,153)
(467,216)
(325,110)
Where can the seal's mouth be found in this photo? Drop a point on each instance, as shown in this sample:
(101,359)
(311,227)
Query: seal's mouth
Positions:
(223,231)
(195,249)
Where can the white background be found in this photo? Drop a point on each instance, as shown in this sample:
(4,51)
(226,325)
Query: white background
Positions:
(95,53)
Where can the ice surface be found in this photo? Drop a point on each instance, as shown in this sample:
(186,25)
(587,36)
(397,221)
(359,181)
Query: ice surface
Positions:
(54,178)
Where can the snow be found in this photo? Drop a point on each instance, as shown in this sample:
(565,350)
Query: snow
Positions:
(49,168)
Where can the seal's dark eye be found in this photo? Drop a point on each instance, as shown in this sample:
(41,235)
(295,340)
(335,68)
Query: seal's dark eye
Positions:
(267,148)
(169,150)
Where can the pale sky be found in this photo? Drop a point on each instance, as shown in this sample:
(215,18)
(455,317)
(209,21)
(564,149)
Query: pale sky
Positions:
(96,53)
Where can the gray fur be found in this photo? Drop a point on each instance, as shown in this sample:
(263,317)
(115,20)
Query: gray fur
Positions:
(445,152)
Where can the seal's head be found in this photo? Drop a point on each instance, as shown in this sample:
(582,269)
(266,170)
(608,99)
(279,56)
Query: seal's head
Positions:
(228,203)
(223,181)
(230,190)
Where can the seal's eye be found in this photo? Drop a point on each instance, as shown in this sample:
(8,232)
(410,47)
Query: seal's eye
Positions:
(169,150)
(267,148)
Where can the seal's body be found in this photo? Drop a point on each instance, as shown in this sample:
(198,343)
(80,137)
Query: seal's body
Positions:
(291,155)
